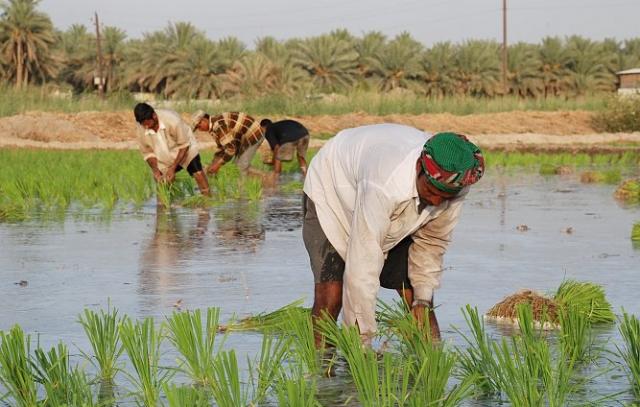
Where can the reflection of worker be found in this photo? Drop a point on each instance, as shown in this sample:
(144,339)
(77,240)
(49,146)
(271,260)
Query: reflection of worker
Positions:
(174,241)
(236,134)
(167,145)
(285,137)
(239,227)
(381,202)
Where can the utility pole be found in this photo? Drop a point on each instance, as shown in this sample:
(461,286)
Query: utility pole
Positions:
(504,46)
(100,79)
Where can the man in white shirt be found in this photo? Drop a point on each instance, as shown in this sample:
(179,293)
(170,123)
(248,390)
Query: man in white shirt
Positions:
(381,202)
(168,145)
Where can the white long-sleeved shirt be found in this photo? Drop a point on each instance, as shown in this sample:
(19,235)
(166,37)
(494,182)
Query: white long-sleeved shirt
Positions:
(363,185)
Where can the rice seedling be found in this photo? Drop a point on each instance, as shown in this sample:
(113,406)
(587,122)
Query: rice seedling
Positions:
(545,310)
(629,191)
(292,187)
(182,396)
(587,298)
(635,232)
(142,342)
(226,387)
(300,327)
(266,322)
(295,390)
(374,388)
(630,330)
(575,334)
(194,342)
(268,366)
(103,331)
(548,169)
(253,188)
(16,373)
(477,360)
(63,385)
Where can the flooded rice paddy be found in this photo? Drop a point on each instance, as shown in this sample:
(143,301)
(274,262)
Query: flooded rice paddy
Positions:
(517,230)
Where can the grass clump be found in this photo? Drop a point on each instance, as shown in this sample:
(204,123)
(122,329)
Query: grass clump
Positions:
(586,298)
(103,331)
(142,342)
(16,374)
(195,342)
(629,191)
(635,232)
(630,330)
(621,114)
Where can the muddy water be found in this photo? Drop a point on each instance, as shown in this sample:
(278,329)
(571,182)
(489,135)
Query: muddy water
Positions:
(249,258)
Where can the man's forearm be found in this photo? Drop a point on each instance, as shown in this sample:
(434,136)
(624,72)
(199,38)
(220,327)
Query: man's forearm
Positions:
(153,164)
(182,153)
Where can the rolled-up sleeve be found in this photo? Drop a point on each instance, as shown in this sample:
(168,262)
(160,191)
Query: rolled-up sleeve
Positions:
(429,245)
(364,257)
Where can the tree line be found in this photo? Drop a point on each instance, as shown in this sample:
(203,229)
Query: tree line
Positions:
(180,61)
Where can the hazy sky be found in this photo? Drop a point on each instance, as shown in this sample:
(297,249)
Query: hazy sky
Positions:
(428,21)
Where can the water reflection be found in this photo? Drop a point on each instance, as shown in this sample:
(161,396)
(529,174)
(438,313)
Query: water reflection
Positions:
(176,240)
(239,227)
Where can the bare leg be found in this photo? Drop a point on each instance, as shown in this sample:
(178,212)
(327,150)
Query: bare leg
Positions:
(203,183)
(303,165)
(327,298)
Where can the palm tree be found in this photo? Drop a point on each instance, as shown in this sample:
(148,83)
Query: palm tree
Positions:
(113,52)
(400,63)
(553,59)
(27,37)
(253,75)
(78,53)
(330,62)
(524,75)
(438,70)
(589,65)
(370,53)
(478,68)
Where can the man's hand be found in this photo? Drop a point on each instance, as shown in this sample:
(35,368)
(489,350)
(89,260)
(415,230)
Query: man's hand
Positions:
(157,175)
(212,170)
(423,311)
(170,176)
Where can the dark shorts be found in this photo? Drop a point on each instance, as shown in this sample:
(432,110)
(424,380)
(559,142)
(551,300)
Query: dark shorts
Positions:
(194,166)
(327,265)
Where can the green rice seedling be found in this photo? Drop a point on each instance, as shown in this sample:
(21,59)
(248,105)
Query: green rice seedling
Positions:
(587,298)
(292,187)
(476,359)
(629,191)
(630,330)
(142,342)
(268,366)
(612,176)
(299,325)
(253,188)
(16,373)
(575,334)
(226,388)
(63,385)
(548,169)
(295,390)
(375,389)
(266,322)
(635,232)
(165,193)
(195,342)
(103,331)
(183,396)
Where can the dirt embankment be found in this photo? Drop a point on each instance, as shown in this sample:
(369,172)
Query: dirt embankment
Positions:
(511,130)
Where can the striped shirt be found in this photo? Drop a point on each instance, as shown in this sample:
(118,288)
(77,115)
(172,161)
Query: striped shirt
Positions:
(234,132)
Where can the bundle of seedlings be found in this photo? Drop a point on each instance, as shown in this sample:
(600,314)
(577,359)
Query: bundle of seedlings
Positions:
(585,298)
(635,232)
(629,191)
(266,322)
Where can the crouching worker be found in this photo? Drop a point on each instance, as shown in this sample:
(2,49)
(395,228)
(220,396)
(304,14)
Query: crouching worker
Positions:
(237,135)
(167,144)
(380,205)
(286,137)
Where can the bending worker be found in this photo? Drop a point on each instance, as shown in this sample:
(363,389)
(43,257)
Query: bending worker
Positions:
(167,145)
(380,205)
(237,135)
(285,137)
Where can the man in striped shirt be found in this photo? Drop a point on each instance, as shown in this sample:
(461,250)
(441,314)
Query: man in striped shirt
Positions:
(237,135)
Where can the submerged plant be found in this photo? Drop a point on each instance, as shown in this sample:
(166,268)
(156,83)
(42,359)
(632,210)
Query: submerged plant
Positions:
(195,342)
(103,331)
(16,374)
(630,330)
(141,341)
(587,298)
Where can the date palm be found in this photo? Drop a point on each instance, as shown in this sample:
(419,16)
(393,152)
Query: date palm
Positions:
(330,62)
(478,68)
(252,75)
(554,60)
(27,38)
(524,76)
(589,65)
(400,63)
(370,53)
(76,45)
(438,70)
